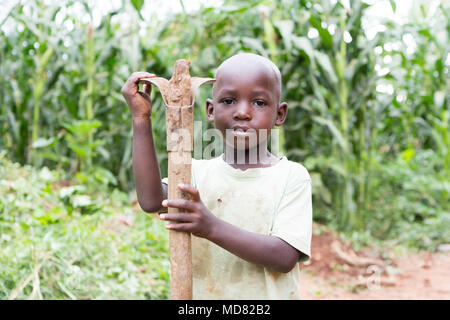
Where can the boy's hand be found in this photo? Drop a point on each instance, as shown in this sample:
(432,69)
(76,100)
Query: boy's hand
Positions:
(198,220)
(139,102)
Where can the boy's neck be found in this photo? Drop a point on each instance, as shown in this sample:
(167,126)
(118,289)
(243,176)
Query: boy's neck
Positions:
(259,157)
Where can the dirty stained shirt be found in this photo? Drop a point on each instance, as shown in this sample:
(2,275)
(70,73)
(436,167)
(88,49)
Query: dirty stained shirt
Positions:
(273,201)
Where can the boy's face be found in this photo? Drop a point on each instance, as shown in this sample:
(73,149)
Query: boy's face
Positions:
(245,105)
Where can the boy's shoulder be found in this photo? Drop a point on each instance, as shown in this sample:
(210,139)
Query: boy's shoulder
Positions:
(298,171)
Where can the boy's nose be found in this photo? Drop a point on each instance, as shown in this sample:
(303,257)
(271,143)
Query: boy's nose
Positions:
(242,111)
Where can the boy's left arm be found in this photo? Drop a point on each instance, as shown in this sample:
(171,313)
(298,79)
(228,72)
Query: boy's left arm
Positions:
(268,251)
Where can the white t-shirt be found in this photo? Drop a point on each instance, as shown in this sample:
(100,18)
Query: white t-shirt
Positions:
(273,201)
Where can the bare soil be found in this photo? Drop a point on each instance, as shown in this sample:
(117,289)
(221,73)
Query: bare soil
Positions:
(336,271)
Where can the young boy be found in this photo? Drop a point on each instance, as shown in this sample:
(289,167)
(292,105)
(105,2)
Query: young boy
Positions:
(251,219)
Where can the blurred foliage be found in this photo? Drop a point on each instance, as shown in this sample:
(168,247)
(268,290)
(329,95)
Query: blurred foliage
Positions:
(70,240)
(368,117)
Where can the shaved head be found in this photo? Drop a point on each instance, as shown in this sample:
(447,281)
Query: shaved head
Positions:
(243,63)
(246,95)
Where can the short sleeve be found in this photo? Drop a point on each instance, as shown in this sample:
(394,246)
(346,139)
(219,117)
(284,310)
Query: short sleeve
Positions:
(293,219)
(193,166)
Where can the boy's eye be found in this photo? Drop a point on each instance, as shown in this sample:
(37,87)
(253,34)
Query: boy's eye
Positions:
(260,103)
(227,101)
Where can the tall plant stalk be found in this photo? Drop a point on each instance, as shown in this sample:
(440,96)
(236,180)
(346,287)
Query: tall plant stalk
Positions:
(90,91)
(38,85)
(347,211)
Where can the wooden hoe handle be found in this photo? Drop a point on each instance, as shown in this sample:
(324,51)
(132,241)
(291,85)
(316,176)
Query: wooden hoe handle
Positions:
(178,94)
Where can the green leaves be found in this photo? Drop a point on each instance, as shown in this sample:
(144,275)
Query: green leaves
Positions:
(42,143)
(407,154)
(286,30)
(48,233)
(324,34)
(324,62)
(393,5)
(137,4)
(334,130)
(79,140)
(304,45)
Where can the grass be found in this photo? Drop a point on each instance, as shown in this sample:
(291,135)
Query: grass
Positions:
(68,242)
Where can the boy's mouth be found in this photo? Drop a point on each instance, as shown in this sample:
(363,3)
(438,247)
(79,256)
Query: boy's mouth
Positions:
(240,128)
(242,131)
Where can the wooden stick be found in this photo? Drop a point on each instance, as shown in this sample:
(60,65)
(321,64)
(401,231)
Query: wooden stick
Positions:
(178,94)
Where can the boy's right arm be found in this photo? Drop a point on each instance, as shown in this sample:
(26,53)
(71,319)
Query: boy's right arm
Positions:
(150,191)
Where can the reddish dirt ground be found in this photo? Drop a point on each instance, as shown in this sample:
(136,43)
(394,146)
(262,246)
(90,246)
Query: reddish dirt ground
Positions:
(336,271)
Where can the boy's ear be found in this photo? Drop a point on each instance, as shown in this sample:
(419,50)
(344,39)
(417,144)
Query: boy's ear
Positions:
(282,111)
(209,110)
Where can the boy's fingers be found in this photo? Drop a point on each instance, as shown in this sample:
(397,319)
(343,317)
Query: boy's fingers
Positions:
(148,89)
(179,203)
(181,217)
(195,196)
(133,80)
(145,96)
(179,226)
(144,76)
(136,76)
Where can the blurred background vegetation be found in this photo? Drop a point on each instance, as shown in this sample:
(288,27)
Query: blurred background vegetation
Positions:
(368,117)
